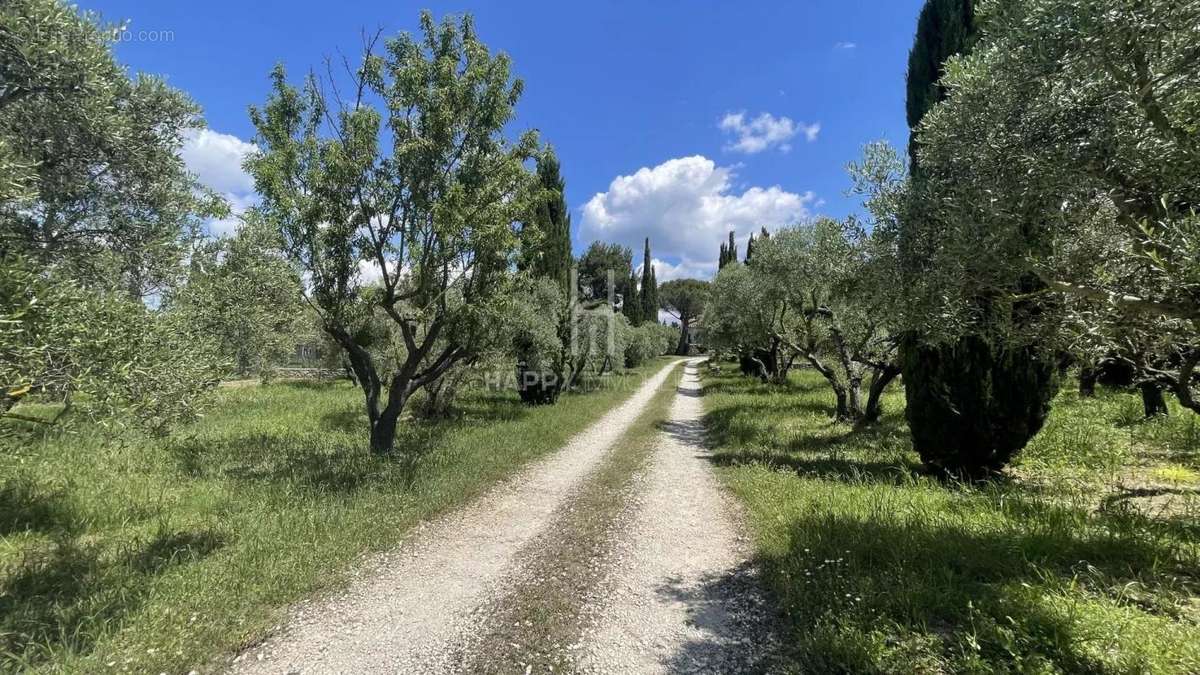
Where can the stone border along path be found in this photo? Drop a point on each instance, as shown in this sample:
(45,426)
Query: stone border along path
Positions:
(677,592)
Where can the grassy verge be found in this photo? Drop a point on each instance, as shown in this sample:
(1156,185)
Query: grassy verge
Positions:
(140,555)
(1075,564)
(538,621)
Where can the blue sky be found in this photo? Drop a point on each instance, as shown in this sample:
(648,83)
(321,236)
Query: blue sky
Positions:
(640,99)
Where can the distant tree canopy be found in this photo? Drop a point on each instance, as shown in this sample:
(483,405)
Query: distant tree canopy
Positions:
(822,293)
(683,299)
(729,253)
(423,188)
(600,262)
(244,295)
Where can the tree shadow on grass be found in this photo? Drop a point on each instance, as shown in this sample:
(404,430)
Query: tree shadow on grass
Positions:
(176,548)
(850,453)
(911,590)
(27,507)
(68,595)
(302,460)
(753,386)
(333,462)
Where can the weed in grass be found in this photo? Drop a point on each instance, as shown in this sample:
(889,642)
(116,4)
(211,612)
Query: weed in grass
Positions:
(880,569)
(1178,475)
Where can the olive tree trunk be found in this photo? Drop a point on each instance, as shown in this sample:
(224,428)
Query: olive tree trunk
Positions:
(880,379)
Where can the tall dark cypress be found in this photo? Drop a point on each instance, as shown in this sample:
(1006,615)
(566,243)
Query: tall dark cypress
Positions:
(650,298)
(750,248)
(551,257)
(945,28)
(972,403)
(649,287)
(631,305)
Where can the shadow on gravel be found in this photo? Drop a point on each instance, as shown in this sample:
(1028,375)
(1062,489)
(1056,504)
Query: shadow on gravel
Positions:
(736,624)
(688,432)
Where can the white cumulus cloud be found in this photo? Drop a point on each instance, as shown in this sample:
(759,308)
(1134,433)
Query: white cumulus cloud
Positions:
(752,135)
(687,206)
(684,269)
(216,159)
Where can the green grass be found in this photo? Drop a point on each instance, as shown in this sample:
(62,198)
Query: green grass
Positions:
(1072,564)
(123,553)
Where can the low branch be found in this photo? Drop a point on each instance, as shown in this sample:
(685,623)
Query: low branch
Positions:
(1187,311)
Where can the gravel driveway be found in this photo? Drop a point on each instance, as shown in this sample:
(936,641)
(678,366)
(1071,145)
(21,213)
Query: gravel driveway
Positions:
(680,593)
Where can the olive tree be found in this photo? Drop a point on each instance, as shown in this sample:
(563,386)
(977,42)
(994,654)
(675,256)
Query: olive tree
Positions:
(1062,183)
(557,341)
(648,341)
(831,311)
(242,293)
(743,315)
(410,175)
(91,181)
(103,353)
(97,215)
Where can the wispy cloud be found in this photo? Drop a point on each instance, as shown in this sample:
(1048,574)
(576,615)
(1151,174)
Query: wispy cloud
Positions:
(756,134)
(846,45)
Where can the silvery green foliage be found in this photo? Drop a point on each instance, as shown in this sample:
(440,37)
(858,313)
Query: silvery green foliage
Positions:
(246,297)
(91,181)
(97,214)
(813,292)
(542,329)
(1066,158)
(740,313)
(647,341)
(405,170)
(98,352)
(553,335)
(1068,154)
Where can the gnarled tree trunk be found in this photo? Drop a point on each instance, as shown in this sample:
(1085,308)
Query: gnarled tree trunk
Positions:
(880,380)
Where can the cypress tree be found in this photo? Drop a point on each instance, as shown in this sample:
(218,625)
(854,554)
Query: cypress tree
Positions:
(649,288)
(551,256)
(632,302)
(724,257)
(972,403)
(945,28)
(650,297)
(750,248)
